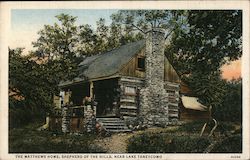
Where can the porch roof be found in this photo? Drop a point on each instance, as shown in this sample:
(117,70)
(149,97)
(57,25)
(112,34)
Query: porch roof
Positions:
(192,103)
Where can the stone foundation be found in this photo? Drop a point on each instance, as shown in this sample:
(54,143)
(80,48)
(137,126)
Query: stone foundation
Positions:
(89,118)
(65,119)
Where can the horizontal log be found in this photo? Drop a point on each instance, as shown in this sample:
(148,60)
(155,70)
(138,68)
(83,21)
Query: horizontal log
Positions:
(133,80)
(171,84)
(173,110)
(128,107)
(128,113)
(173,104)
(128,100)
(173,115)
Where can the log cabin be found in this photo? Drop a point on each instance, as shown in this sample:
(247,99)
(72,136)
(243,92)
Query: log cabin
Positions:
(133,81)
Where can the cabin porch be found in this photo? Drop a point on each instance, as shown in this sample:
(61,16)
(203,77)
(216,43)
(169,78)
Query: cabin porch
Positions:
(104,92)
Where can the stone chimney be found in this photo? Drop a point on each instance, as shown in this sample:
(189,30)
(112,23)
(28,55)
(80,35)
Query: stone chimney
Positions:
(153,97)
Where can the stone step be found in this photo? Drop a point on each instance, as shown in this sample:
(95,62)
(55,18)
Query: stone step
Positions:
(103,119)
(118,131)
(113,124)
(115,127)
(111,121)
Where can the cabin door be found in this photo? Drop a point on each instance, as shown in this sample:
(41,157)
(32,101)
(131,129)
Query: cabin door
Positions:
(106,96)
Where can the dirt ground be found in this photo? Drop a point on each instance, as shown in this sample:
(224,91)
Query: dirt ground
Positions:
(117,143)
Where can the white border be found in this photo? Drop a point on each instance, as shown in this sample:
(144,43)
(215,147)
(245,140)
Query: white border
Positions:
(5,10)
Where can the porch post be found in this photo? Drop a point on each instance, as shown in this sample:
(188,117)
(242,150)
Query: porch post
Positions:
(91,86)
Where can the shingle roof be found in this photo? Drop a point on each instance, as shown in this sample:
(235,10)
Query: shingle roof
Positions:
(109,63)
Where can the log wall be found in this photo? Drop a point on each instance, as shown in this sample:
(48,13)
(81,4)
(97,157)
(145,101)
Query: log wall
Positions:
(173,90)
(129,100)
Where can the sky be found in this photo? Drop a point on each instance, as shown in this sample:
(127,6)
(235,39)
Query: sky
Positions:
(232,70)
(25,23)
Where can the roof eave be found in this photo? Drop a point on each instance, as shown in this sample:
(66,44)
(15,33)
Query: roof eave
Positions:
(75,82)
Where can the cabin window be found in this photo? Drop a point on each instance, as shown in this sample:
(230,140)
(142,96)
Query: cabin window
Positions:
(130,90)
(141,63)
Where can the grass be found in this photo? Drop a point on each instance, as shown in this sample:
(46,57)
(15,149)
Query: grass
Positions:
(232,144)
(29,140)
(164,142)
(173,139)
(186,139)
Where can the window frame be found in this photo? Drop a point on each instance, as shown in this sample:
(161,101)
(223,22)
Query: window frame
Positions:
(138,66)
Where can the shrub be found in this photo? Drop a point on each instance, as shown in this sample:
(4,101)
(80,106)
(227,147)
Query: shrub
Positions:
(231,107)
(28,140)
(192,127)
(232,144)
(223,127)
(186,144)
(20,114)
(165,143)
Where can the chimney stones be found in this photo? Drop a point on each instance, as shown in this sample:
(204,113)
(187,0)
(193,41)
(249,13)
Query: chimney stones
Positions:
(153,97)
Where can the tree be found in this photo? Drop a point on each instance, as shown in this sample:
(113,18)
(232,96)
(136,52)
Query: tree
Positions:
(59,46)
(102,34)
(231,106)
(114,39)
(211,39)
(59,40)
(29,90)
(134,21)
(87,40)
(27,79)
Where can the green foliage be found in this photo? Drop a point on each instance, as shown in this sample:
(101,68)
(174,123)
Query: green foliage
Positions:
(27,79)
(143,20)
(133,24)
(210,89)
(209,40)
(18,116)
(33,141)
(164,143)
(58,45)
(192,127)
(59,40)
(231,144)
(186,144)
(224,127)
(30,96)
(231,106)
